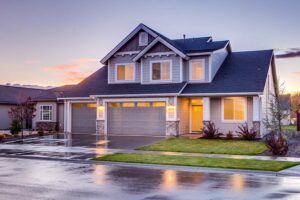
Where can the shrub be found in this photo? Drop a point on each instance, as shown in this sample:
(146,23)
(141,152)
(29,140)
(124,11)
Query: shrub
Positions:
(246,133)
(41,132)
(210,131)
(229,135)
(15,127)
(2,136)
(276,143)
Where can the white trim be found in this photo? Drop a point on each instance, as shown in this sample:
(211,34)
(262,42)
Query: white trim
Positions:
(125,81)
(75,98)
(181,69)
(256,108)
(199,54)
(222,94)
(202,60)
(210,68)
(159,54)
(159,39)
(126,53)
(51,109)
(141,44)
(141,75)
(234,121)
(126,39)
(137,95)
(206,109)
(151,71)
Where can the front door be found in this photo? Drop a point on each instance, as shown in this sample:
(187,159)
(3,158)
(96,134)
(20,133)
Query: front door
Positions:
(197,118)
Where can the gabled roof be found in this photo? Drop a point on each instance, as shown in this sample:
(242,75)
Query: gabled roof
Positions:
(241,72)
(96,84)
(127,38)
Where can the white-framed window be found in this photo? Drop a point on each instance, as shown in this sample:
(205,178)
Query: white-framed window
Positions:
(161,70)
(125,72)
(197,70)
(234,109)
(46,113)
(143,39)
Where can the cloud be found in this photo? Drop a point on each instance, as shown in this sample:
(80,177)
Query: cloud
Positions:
(63,67)
(288,53)
(295,73)
(74,77)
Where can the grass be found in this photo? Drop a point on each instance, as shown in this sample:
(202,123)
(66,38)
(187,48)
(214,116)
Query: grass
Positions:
(234,147)
(199,161)
(289,127)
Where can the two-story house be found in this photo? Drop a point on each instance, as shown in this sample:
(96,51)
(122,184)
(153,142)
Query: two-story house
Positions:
(152,85)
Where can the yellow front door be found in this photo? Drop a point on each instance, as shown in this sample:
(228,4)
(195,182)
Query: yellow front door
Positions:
(197,118)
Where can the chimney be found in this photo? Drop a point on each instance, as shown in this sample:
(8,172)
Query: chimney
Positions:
(183,37)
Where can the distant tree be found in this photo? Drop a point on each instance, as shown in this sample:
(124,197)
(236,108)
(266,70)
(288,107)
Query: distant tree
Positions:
(23,112)
(295,103)
(277,111)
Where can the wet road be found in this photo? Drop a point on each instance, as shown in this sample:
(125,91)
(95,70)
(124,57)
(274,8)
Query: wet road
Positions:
(37,179)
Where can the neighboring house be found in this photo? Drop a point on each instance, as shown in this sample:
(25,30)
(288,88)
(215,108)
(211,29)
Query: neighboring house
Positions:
(152,85)
(10,96)
(287,107)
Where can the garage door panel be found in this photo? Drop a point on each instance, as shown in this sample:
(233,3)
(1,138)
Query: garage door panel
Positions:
(136,120)
(84,118)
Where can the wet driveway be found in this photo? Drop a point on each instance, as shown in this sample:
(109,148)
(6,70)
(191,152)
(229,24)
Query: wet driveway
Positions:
(36,179)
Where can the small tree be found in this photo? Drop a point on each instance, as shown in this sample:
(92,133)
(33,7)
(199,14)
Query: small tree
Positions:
(275,140)
(277,112)
(23,112)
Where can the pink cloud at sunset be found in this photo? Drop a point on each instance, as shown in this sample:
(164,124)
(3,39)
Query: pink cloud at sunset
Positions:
(62,67)
(74,77)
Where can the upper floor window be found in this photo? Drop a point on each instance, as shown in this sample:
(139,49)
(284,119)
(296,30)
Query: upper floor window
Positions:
(161,70)
(143,39)
(125,72)
(234,108)
(197,70)
(46,113)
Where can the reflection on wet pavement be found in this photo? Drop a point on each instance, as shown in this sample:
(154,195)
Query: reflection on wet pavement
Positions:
(36,179)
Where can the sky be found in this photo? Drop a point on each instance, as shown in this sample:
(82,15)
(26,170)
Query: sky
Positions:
(52,43)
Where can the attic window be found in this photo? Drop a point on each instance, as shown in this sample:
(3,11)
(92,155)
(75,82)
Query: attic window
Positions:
(143,39)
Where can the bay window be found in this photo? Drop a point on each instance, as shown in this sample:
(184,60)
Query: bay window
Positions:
(234,109)
(161,70)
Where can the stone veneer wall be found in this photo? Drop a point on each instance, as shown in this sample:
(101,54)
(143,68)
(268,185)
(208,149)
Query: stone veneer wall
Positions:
(172,128)
(100,126)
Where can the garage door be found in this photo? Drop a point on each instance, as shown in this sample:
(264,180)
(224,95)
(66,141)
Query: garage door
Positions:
(84,118)
(136,118)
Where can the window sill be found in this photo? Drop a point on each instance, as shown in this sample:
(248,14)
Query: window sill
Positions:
(234,121)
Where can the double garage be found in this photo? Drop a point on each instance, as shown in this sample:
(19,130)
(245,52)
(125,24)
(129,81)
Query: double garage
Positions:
(123,118)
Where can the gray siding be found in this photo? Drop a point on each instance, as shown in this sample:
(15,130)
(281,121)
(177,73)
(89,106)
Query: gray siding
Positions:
(38,112)
(4,118)
(216,116)
(186,67)
(175,60)
(122,59)
(217,60)
(133,43)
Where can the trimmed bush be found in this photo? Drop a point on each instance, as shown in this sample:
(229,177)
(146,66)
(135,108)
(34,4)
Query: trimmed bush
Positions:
(210,131)
(246,133)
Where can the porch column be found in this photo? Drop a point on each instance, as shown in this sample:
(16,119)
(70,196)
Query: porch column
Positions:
(100,121)
(206,110)
(172,122)
(256,113)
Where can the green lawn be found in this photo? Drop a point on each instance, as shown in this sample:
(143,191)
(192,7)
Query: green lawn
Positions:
(234,147)
(199,161)
(289,127)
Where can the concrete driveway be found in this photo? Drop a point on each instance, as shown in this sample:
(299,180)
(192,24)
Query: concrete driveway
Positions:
(36,179)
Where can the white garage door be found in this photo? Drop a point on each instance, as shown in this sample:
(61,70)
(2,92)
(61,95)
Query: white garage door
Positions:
(136,118)
(84,118)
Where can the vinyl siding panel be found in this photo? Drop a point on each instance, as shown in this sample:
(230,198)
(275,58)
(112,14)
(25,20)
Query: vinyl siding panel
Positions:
(146,68)
(5,121)
(216,116)
(122,59)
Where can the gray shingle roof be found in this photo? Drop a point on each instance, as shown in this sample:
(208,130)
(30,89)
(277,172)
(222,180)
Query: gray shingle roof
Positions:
(240,72)
(96,84)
